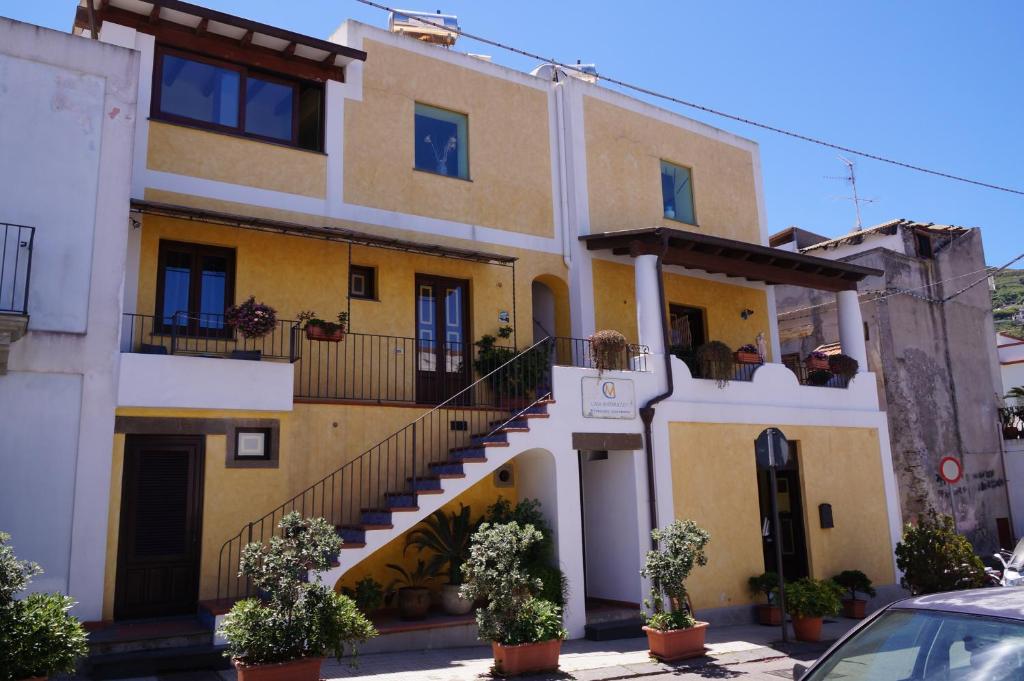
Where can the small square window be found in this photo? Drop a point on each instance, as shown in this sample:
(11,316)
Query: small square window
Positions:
(252,444)
(677,193)
(441,141)
(362,283)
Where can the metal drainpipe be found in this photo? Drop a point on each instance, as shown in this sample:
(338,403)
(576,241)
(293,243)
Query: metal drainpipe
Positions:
(647,411)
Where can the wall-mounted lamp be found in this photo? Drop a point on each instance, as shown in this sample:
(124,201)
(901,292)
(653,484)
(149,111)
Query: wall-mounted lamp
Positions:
(746,313)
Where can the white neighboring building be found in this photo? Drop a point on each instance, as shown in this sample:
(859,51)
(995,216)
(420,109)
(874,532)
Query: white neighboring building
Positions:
(67,116)
(1011,360)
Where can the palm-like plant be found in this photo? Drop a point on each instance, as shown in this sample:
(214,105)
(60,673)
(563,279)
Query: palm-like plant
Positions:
(1016,393)
(448,537)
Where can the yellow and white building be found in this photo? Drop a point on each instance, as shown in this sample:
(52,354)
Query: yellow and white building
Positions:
(436,198)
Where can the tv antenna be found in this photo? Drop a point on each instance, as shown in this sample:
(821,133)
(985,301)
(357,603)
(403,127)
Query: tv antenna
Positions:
(852,179)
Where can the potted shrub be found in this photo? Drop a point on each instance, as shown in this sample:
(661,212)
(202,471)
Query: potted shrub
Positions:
(843,365)
(38,636)
(747,354)
(286,635)
(251,319)
(608,349)
(716,362)
(673,633)
(816,361)
(854,581)
(540,557)
(525,631)
(808,601)
(514,387)
(819,377)
(412,590)
(321,330)
(766,584)
(447,536)
(368,595)
(934,558)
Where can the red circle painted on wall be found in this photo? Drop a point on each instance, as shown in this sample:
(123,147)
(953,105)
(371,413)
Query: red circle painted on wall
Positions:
(950,469)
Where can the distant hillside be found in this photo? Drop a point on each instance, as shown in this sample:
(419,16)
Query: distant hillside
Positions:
(1008,300)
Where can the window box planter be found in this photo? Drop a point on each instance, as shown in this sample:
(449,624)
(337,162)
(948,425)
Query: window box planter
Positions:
(677,644)
(807,628)
(816,363)
(302,669)
(743,357)
(317,333)
(527,658)
(854,608)
(769,615)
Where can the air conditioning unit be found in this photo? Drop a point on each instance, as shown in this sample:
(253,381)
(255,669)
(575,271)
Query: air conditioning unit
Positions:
(439,29)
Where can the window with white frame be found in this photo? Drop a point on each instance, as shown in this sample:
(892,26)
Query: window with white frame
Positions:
(677,193)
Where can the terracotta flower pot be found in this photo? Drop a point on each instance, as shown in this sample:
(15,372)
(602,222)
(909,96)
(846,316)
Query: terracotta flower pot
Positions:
(807,628)
(413,602)
(746,357)
(769,615)
(316,332)
(526,658)
(854,607)
(677,644)
(453,603)
(302,669)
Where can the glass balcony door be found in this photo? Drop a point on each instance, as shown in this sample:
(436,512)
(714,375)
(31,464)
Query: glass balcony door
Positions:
(442,348)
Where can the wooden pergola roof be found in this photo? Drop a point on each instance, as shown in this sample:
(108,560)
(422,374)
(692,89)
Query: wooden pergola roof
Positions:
(732,258)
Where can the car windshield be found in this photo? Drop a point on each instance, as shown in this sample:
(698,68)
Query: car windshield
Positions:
(921,645)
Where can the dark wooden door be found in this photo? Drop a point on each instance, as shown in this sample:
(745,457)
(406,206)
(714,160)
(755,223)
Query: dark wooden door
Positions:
(443,365)
(791,519)
(161,517)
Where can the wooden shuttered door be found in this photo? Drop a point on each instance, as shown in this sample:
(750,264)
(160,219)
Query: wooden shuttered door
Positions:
(161,508)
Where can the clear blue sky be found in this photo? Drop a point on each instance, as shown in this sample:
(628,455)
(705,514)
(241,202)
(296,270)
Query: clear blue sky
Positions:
(934,83)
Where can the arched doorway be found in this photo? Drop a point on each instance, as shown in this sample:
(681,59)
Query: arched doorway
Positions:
(550,297)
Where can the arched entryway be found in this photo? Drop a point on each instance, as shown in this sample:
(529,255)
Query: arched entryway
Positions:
(550,297)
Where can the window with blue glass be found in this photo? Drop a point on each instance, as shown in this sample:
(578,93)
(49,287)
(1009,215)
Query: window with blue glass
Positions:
(677,193)
(195,285)
(232,98)
(442,141)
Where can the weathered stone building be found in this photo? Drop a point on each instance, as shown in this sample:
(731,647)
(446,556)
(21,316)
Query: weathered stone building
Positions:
(930,343)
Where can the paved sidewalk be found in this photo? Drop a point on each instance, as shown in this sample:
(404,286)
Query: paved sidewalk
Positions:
(750,652)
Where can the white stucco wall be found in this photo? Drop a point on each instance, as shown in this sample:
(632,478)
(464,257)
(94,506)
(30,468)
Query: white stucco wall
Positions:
(67,115)
(1014,457)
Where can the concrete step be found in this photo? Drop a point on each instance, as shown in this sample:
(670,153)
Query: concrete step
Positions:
(612,630)
(158,661)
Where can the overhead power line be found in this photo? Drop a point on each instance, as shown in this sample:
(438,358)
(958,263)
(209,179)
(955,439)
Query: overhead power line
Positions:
(707,109)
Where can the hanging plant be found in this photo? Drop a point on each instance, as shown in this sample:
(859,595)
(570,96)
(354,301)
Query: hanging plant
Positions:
(608,348)
(252,319)
(843,365)
(716,362)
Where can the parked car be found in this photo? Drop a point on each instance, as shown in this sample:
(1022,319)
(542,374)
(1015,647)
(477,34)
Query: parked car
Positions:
(974,635)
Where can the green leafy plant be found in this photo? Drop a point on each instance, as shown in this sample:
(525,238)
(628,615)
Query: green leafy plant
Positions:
(1016,393)
(809,597)
(38,636)
(496,571)
(843,365)
(416,579)
(540,558)
(309,318)
(447,537)
(368,594)
(716,362)
(299,618)
(765,584)
(519,379)
(819,377)
(933,557)
(680,549)
(855,582)
(609,349)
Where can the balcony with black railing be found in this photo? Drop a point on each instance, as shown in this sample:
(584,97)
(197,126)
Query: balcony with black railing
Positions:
(1011,418)
(205,335)
(15,267)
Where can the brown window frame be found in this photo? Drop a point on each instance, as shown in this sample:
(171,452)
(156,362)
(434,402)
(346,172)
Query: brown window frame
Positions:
(245,72)
(194,292)
(371,276)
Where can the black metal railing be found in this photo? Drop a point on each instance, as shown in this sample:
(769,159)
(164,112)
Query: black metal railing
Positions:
(16,243)
(1012,421)
(206,335)
(821,378)
(579,352)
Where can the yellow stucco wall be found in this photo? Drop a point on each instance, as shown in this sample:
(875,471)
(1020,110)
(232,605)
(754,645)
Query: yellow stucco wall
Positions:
(624,154)
(509,150)
(227,158)
(615,303)
(714,482)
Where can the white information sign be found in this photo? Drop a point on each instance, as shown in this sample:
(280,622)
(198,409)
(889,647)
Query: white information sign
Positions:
(609,398)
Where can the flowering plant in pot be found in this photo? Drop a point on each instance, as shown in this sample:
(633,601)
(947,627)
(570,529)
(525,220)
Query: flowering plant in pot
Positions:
(808,601)
(674,633)
(766,584)
(854,581)
(447,536)
(608,348)
(747,354)
(525,631)
(817,360)
(323,330)
(251,319)
(412,588)
(286,635)
(38,636)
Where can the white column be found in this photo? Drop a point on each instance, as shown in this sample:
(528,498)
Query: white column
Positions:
(851,327)
(649,312)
